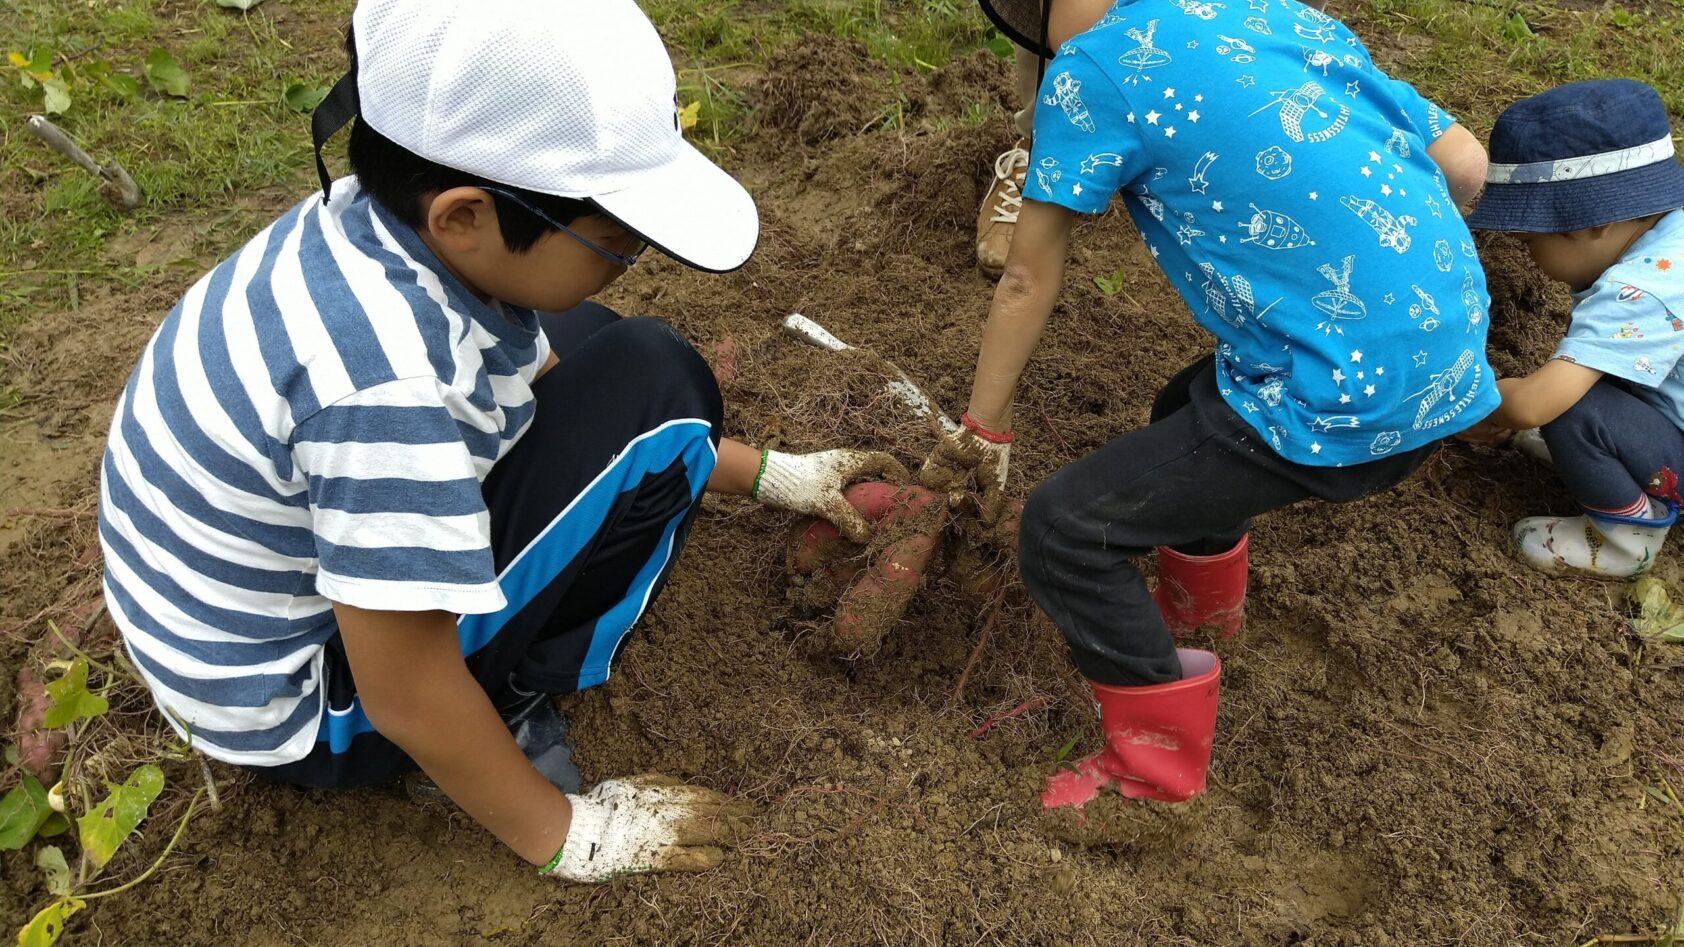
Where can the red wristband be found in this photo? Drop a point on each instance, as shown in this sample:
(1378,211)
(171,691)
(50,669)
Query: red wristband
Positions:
(991,437)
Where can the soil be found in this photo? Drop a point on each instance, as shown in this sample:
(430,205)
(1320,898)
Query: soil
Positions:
(1420,742)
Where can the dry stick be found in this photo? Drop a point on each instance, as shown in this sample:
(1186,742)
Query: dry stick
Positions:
(976,653)
(118,189)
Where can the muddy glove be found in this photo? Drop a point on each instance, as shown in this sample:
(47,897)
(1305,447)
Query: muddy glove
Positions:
(972,448)
(812,483)
(643,824)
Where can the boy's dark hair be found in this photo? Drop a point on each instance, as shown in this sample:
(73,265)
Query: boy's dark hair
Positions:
(397,178)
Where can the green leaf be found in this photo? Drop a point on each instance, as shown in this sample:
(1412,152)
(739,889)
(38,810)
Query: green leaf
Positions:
(55,96)
(51,862)
(1623,18)
(72,701)
(1517,29)
(44,929)
(1658,618)
(56,824)
(22,812)
(164,74)
(124,85)
(305,96)
(114,820)
(1109,285)
(1000,46)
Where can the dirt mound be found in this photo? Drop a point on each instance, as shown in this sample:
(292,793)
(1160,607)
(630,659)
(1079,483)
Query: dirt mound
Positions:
(821,87)
(1529,310)
(1420,743)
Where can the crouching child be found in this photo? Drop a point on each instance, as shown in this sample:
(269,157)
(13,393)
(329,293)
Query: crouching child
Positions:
(1585,175)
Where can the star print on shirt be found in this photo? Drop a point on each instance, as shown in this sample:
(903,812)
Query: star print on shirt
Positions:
(1356,356)
(1386,189)
(1352,88)
(1380,371)
(1076,188)
(1153,116)
(1246,82)
(1192,44)
(1198,98)
(1420,359)
(1338,376)
(1131,118)
(1369,390)
(1169,132)
(1315,448)
(1192,116)
(1344,399)
(1389,298)
(1374,156)
(1169,93)
(1314,196)
(1367,172)
(1216,206)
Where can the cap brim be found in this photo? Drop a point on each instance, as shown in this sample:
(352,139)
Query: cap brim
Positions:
(1566,206)
(690,210)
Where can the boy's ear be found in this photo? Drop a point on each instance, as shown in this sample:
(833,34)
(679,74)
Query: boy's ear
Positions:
(461,217)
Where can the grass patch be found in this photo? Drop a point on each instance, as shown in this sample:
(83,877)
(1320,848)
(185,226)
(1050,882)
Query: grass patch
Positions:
(1478,56)
(232,133)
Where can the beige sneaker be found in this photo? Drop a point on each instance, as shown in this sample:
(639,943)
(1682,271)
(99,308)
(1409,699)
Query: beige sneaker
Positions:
(998,217)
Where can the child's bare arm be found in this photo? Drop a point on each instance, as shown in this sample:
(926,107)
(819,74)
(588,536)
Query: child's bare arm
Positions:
(418,693)
(1462,159)
(1544,395)
(1022,302)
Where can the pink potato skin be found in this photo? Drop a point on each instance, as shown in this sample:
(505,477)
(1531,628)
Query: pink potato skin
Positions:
(41,751)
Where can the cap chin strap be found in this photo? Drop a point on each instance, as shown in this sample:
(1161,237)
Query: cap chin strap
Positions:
(332,114)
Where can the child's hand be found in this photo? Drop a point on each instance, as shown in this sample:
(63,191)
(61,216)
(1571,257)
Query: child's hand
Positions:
(967,450)
(813,483)
(644,824)
(1487,433)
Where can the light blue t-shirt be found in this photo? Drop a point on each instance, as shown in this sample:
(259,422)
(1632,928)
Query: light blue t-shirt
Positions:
(1630,322)
(1282,182)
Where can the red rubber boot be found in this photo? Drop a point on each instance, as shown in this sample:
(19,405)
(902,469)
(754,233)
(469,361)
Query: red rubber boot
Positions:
(1202,591)
(1157,739)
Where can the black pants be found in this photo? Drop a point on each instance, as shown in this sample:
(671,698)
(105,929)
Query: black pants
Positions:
(1191,480)
(588,513)
(1611,447)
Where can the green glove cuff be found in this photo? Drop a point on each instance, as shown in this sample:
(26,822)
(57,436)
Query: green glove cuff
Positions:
(554,862)
(754,491)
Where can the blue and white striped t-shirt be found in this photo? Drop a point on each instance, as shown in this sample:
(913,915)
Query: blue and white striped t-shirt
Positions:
(312,422)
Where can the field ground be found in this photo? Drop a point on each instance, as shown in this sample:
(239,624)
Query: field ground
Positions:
(1420,743)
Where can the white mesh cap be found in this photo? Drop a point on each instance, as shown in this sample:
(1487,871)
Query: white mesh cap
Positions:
(567,97)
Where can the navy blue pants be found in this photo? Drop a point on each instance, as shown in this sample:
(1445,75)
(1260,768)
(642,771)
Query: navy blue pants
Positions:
(1191,480)
(1613,446)
(588,513)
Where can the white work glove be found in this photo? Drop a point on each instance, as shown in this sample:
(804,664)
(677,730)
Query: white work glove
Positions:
(971,448)
(813,484)
(643,824)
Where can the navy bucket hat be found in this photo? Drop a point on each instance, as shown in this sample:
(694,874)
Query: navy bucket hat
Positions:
(1579,156)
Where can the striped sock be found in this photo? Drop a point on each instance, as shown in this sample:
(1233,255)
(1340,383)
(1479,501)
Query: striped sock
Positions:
(1639,507)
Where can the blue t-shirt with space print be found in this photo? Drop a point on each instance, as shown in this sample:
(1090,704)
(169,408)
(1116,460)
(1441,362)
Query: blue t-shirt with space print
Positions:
(1282,182)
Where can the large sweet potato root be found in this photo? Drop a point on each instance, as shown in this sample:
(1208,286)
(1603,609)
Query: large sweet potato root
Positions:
(911,519)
